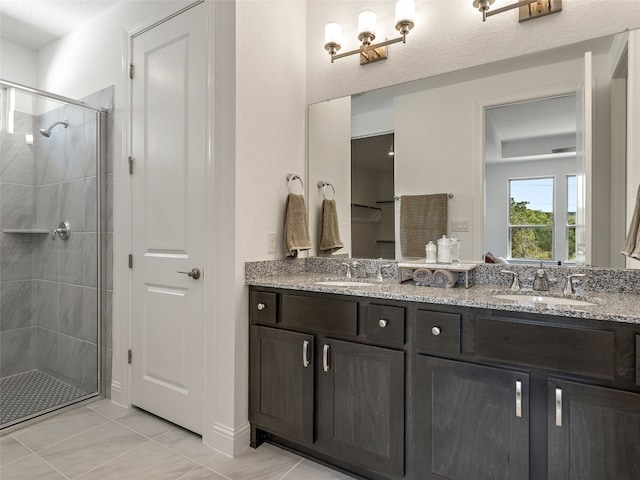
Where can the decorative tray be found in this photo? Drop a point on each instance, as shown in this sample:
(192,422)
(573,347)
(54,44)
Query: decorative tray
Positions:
(437,274)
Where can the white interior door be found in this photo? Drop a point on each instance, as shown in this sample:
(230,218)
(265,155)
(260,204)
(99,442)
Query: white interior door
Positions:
(584,147)
(168,199)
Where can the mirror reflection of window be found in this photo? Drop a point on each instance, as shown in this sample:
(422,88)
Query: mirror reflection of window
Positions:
(572,205)
(530,179)
(531,218)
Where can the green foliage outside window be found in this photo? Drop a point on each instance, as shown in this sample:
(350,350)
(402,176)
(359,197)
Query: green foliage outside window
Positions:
(531,232)
(571,236)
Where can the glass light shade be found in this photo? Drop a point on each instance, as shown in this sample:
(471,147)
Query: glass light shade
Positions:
(405,10)
(367,21)
(333,33)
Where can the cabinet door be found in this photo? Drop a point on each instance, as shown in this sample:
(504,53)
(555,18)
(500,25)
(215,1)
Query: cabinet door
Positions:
(281,376)
(361,406)
(472,422)
(594,432)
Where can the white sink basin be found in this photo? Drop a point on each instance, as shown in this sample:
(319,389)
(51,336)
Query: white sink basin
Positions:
(538,299)
(344,283)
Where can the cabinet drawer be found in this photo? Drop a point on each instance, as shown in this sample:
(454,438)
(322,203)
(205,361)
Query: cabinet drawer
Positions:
(263,308)
(385,324)
(324,314)
(437,331)
(565,349)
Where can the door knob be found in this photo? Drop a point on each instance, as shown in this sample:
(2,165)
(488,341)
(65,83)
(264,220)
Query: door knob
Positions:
(194,273)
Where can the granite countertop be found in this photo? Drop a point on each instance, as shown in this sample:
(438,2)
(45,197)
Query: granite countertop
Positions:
(618,307)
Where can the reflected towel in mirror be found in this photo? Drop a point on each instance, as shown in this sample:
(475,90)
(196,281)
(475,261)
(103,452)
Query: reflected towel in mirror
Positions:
(422,218)
(296,226)
(329,231)
(632,245)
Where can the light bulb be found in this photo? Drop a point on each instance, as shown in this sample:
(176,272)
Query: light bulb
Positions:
(405,11)
(333,33)
(367,21)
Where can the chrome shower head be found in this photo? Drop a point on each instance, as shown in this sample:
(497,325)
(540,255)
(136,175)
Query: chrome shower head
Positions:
(46,132)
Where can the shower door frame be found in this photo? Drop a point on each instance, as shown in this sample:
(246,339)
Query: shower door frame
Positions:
(100,122)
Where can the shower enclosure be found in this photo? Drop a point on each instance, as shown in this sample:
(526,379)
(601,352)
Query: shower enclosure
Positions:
(50,243)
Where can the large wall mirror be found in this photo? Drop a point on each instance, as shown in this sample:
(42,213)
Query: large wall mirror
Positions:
(534,152)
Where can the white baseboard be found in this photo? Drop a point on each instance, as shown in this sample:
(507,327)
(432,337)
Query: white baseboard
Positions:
(228,440)
(116,393)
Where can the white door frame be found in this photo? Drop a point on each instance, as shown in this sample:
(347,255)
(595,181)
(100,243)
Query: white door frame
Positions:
(121,384)
(553,90)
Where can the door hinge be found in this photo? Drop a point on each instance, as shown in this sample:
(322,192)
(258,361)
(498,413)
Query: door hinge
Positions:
(129,356)
(130,261)
(131,70)
(130,160)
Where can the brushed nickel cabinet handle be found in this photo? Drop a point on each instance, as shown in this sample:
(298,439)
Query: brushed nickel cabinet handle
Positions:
(558,407)
(436,331)
(325,357)
(518,398)
(305,353)
(261,306)
(383,323)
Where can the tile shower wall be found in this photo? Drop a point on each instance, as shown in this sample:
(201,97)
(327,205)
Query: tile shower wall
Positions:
(65,271)
(17,287)
(58,276)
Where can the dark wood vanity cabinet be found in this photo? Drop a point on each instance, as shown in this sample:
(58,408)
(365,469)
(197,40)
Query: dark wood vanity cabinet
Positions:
(282,382)
(361,406)
(472,421)
(594,432)
(317,382)
(402,390)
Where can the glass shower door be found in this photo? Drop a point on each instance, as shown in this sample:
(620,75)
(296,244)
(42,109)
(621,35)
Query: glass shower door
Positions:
(49,254)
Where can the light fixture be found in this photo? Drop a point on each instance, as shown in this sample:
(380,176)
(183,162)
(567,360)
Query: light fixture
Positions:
(529,9)
(368,51)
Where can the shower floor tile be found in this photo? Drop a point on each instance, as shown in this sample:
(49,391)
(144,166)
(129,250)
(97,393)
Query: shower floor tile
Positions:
(27,393)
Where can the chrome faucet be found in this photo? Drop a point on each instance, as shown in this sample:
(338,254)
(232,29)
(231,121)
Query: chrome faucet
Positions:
(358,269)
(379,275)
(569,288)
(541,281)
(515,284)
(348,274)
(354,270)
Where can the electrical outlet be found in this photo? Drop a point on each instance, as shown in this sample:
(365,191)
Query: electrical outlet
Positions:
(459,225)
(271,242)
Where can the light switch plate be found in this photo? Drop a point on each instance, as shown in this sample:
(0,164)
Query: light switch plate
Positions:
(459,225)
(271,242)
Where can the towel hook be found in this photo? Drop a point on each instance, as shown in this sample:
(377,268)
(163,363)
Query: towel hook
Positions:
(291,177)
(323,185)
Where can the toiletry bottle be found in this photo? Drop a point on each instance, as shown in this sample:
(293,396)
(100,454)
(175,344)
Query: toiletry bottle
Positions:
(455,249)
(444,250)
(430,250)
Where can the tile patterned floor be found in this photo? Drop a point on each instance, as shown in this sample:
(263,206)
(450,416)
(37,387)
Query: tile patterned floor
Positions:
(102,441)
(31,392)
